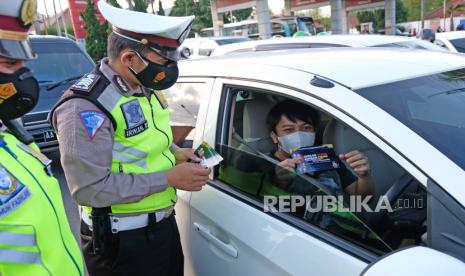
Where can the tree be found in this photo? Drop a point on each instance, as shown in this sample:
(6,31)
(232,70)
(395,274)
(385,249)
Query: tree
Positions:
(451,10)
(96,41)
(140,5)
(114,3)
(160,8)
(378,16)
(401,12)
(200,9)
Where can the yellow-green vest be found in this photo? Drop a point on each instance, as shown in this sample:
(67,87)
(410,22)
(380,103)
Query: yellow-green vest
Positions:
(140,148)
(35,236)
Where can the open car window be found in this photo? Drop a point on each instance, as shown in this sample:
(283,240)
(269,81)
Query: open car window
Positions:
(250,168)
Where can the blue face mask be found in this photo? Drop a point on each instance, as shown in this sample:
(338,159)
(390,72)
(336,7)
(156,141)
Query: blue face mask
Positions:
(155,76)
(296,140)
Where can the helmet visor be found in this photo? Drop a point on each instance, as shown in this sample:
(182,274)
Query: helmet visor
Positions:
(17,49)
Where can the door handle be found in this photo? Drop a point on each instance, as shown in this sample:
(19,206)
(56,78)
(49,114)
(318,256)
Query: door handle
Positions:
(206,233)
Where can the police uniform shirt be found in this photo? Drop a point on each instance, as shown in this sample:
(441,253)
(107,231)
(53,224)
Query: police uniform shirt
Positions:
(87,162)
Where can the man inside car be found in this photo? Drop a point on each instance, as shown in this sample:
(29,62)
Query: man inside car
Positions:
(293,125)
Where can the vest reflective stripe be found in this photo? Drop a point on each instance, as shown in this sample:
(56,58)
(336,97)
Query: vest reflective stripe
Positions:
(126,159)
(19,257)
(17,239)
(129,150)
(109,98)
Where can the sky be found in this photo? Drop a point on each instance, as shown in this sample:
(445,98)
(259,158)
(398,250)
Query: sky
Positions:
(274,5)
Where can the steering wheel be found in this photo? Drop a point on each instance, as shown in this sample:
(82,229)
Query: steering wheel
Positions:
(395,191)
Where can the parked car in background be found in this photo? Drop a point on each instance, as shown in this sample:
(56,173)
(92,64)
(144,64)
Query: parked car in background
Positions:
(325,42)
(401,107)
(426,34)
(203,46)
(452,41)
(59,64)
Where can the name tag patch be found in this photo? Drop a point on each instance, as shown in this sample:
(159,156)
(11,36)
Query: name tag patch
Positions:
(86,83)
(12,193)
(134,117)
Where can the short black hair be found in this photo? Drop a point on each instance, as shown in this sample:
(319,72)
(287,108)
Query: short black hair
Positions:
(294,111)
(117,43)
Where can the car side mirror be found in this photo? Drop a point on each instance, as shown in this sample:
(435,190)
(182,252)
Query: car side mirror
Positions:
(416,260)
(185,52)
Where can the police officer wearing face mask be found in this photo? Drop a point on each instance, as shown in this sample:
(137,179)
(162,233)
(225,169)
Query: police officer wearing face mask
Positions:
(293,125)
(35,236)
(117,152)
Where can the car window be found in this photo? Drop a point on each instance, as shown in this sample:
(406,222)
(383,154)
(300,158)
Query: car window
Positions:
(440,43)
(251,168)
(459,44)
(226,41)
(432,106)
(283,46)
(56,61)
(206,48)
(184,99)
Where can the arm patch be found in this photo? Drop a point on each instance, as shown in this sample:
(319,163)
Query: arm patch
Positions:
(92,120)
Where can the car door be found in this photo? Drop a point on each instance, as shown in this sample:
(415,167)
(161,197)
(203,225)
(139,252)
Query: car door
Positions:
(231,234)
(187,101)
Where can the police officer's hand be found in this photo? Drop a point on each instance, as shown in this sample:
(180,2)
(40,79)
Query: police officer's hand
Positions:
(188,176)
(184,154)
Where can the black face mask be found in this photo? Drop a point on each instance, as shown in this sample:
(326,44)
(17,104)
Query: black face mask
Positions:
(156,76)
(19,93)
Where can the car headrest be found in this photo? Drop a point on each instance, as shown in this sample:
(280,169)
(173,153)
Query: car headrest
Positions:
(344,139)
(255,130)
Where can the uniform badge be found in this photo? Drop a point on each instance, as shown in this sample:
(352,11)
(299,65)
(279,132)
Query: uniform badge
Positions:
(92,120)
(12,192)
(28,12)
(134,117)
(86,83)
(6,91)
(121,84)
(161,98)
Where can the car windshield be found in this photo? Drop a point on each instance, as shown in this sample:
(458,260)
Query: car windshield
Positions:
(231,40)
(433,106)
(415,44)
(56,61)
(459,44)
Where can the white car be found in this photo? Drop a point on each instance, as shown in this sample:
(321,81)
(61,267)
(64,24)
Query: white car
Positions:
(403,108)
(203,46)
(325,42)
(452,41)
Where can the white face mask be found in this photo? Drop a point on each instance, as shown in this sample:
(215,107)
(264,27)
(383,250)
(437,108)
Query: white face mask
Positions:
(296,140)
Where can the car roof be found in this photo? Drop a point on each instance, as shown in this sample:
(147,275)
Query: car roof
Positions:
(353,67)
(345,40)
(49,38)
(451,35)
(215,38)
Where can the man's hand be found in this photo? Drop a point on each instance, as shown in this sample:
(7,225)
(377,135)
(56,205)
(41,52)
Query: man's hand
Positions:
(284,171)
(188,176)
(358,162)
(184,154)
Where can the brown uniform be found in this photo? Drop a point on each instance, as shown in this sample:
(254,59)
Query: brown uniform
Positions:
(87,160)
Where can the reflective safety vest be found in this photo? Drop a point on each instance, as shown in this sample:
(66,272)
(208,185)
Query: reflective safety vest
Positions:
(142,139)
(35,236)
